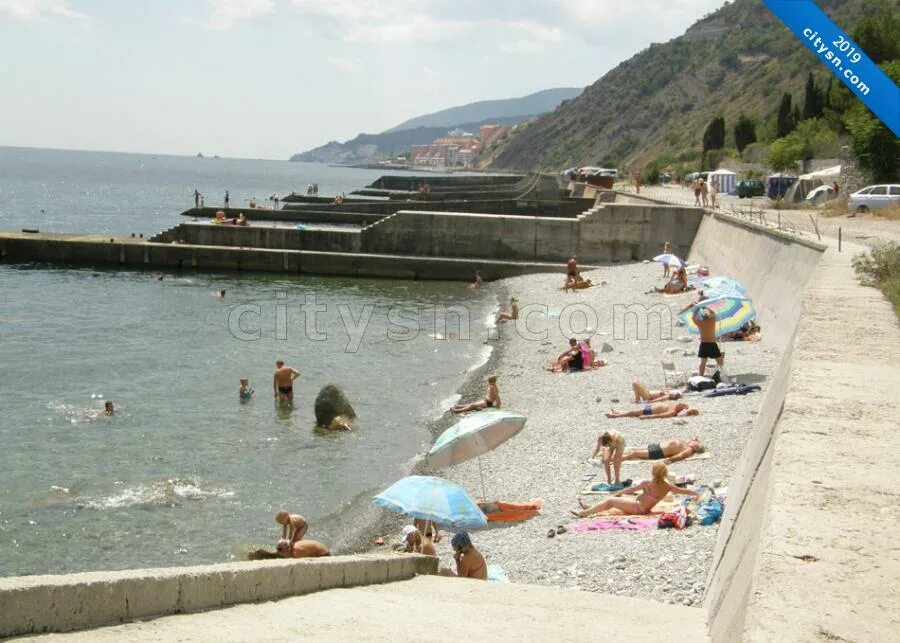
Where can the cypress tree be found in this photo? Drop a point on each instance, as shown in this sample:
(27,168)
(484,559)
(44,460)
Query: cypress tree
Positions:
(784,125)
(744,132)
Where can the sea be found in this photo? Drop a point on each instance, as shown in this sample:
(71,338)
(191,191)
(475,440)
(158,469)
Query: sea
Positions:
(184,472)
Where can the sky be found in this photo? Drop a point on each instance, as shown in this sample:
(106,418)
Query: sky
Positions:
(268,78)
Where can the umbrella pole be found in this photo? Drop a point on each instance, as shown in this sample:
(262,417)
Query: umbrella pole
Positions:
(481,473)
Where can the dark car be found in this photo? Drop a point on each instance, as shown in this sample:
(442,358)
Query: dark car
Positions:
(750,188)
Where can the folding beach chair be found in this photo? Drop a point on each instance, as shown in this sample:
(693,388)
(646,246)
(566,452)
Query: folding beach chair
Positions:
(672,374)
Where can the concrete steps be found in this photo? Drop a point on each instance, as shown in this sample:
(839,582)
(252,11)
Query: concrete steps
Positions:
(427,608)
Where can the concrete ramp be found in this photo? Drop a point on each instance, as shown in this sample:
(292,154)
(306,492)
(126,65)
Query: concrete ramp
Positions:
(426,608)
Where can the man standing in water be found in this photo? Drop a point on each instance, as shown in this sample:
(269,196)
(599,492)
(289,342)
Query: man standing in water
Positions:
(227,199)
(705,319)
(283,382)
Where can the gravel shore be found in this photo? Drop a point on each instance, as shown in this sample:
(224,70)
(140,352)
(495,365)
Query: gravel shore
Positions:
(565,413)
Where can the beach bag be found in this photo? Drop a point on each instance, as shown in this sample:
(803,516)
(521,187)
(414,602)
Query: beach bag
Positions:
(709,512)
(667,520)
(700,383)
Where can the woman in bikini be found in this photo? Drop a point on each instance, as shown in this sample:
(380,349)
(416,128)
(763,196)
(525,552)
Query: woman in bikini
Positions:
(651,492)
(612,445)
(469,561)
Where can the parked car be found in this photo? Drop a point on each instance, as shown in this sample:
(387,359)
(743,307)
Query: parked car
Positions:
(750,188)
(820,195)
(874,197)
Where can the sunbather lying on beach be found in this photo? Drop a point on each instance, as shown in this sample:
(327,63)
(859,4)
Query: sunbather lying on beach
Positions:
(643,394)
(612,444)
(491,400)
(656,410)
(651,491)
(301,549)
(669,451)
(748,332)
(678,283)
(577,282)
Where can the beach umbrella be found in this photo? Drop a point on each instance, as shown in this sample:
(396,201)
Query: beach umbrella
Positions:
(435,499)
(731,311)
(473,437)
(672,260)
(724,282)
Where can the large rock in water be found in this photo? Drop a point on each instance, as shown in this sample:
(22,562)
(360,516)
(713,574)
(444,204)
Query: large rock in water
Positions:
(331,405)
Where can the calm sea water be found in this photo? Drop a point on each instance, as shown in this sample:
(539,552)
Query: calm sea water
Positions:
(185,473)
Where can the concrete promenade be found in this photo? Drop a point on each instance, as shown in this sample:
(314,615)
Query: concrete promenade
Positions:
(427,608)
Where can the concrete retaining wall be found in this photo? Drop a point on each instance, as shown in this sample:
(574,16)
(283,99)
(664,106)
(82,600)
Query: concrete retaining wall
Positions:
(32,604)
(205,234)
(776,269)
(605,233)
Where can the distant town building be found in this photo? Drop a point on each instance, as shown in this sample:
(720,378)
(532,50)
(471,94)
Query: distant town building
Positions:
(457,149)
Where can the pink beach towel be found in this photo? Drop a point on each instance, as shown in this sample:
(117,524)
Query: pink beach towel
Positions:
(610,524)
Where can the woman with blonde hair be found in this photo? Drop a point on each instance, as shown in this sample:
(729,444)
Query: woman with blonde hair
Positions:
(652,491)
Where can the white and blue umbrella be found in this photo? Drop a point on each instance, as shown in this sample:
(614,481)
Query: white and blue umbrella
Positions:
(724,283)
(434,499)
(672,260)
(474,436)
(732,312)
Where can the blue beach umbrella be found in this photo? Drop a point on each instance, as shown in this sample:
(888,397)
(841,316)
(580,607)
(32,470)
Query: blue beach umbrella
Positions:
(672,260)
(731,311)
(474,436)
(726,283)
(434,499)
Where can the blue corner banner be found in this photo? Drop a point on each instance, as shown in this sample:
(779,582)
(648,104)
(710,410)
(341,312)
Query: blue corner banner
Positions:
(843,57)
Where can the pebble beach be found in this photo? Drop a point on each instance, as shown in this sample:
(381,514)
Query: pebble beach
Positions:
(566,414)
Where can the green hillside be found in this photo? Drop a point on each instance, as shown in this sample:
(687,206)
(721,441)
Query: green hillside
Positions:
(531,105)
(657,105)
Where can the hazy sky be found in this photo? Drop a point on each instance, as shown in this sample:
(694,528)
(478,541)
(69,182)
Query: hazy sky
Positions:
(267,78)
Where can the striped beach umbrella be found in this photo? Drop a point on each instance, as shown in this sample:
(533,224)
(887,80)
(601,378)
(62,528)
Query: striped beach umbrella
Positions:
(731,311)
(435,499)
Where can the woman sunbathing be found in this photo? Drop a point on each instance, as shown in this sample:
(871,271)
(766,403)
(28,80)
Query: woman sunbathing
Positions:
(656,410)
(652,492)
(643,394)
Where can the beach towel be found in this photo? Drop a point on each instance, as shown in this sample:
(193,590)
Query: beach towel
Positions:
(496,574)
(635,523)
(741,389)
(697,456)
(510,511)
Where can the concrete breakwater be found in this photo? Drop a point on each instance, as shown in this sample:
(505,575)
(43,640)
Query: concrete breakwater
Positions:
(418,245)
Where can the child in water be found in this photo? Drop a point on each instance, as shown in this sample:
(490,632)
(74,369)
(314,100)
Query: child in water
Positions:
(245,392)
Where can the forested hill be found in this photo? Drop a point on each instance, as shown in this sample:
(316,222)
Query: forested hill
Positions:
(657,104)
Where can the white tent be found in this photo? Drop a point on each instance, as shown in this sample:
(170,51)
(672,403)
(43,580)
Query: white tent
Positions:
(725,180)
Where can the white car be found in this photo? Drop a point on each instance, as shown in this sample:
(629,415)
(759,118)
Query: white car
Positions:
(874,197)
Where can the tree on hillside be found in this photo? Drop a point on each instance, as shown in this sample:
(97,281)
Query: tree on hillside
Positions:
(785,123)
(785,152)
(876,147)
(714,136)
(744,132)
(879,36)
(812,104)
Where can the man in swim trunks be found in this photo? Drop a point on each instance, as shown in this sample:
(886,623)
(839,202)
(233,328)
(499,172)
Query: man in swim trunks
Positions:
(654,411)
(283,382)
(705,319)
(669,451)
(491,400)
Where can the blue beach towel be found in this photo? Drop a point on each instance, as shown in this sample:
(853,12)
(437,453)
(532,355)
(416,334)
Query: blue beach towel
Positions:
(607,487)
